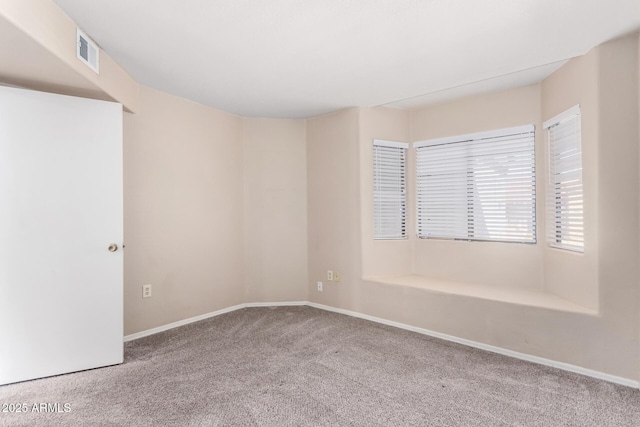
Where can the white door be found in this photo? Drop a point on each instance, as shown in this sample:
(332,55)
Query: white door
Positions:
(60,209)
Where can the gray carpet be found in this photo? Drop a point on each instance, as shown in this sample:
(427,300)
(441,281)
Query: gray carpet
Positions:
(301,366)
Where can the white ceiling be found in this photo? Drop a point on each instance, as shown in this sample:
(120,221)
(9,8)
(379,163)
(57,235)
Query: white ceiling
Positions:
(300,58)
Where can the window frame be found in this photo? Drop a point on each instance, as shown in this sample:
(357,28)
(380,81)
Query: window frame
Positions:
(554,218)
(403,193)
(470,142)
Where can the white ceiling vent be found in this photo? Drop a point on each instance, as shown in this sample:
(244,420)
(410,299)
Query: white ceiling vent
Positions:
(88,51)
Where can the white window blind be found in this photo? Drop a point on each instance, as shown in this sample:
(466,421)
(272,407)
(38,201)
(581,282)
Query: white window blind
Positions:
(389,190)
(565,221)
(478,187)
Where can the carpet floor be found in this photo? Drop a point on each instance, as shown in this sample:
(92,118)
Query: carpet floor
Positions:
(300,366)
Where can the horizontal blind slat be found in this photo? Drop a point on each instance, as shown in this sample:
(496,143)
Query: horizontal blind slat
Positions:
(477,189)
(565,223)
(389,188)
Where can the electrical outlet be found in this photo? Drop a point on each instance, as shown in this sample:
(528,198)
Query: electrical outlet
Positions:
(329,275)
(336,276)
(146,291)
(319,286)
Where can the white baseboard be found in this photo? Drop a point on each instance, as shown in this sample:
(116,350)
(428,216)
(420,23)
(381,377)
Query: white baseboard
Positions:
(179,323)
(276,304)
(499,350)
(515,354)
(166,327)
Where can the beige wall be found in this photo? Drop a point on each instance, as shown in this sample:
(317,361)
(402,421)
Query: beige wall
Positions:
(41,54)
(183,198)
(333,206)
(275,210)
(202,187)
(569,274)
(215,210)
(502,264)
(618,192)
(383,257)
(608,342)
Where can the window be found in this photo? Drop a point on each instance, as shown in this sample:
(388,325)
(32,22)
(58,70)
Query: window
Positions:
(480,186)
(389,190)
(565,222)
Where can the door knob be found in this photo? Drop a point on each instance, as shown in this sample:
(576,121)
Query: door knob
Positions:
(113,247)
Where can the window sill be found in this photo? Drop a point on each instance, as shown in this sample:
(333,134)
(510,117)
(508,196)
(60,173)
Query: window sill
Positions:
(526,297)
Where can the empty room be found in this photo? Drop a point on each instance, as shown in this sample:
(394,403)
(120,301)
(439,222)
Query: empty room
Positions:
(310,213)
